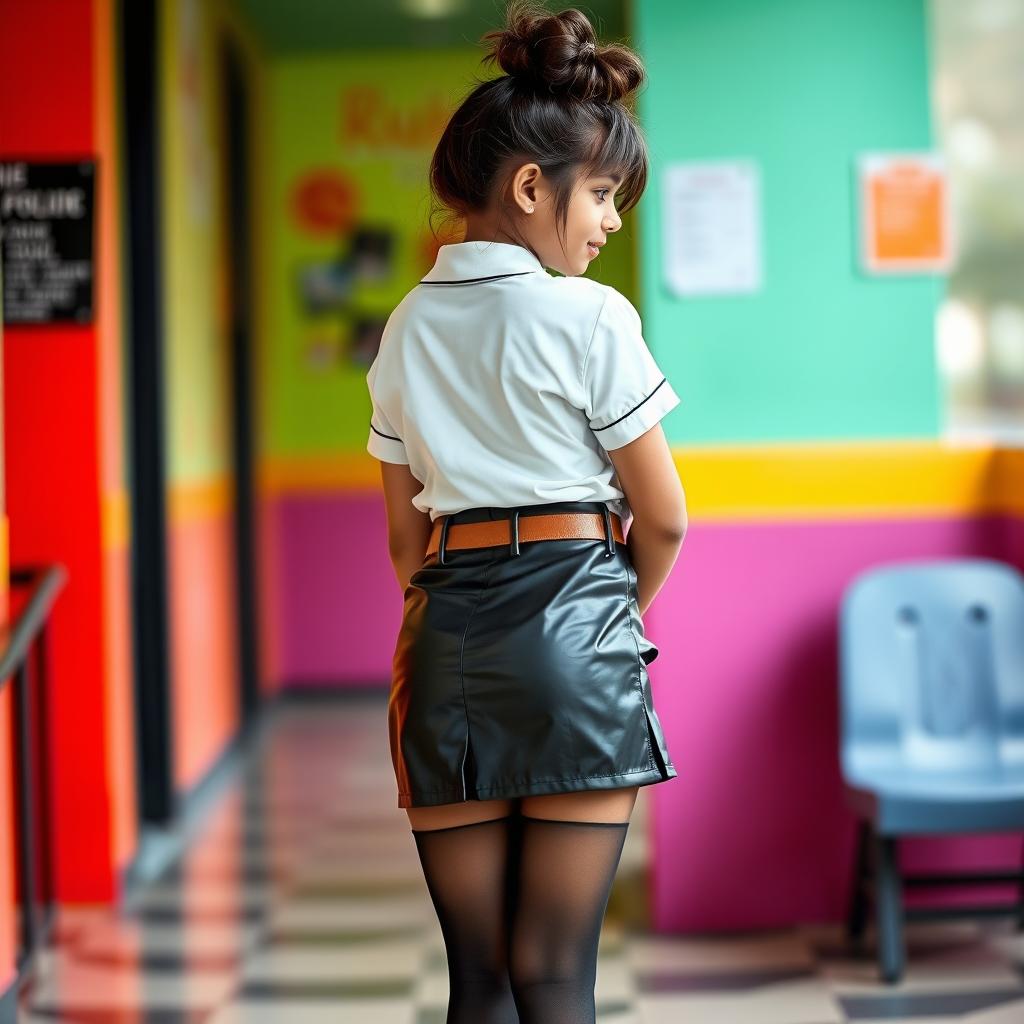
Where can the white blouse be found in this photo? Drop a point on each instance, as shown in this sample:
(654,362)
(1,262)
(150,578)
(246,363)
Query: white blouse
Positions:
(499,384)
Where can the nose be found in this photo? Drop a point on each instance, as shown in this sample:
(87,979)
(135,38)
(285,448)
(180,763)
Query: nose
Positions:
(612,222)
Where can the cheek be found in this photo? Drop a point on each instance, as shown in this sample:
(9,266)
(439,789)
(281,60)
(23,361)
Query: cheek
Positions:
(586,227)
(582,220)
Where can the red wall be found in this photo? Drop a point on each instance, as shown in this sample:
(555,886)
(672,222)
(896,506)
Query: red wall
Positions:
(53,440)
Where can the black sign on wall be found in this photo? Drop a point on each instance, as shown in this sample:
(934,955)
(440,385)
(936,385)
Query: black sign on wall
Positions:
(46,241)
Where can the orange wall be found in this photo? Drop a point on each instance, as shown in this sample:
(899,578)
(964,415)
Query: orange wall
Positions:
(200,541)
(200,558)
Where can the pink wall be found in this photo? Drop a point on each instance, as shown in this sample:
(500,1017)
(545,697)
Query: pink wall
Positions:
(754,832)
(338,602)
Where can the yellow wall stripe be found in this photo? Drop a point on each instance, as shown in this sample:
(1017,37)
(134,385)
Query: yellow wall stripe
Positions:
(116,525)
(207,499)
(320,474)
(5,572)
(186,503)
(814,480)
(865,480)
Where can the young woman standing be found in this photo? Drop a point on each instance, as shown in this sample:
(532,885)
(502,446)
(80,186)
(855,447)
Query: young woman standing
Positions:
(517,419)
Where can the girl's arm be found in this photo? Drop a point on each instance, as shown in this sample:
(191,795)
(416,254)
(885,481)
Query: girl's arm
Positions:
(649,479)
(408,527)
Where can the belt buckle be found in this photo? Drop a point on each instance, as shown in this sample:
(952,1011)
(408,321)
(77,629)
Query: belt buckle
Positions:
(513,524)
(609,537)
(442,542)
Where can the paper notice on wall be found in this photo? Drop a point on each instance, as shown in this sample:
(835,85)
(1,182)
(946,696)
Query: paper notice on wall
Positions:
(905,216)
(712,227)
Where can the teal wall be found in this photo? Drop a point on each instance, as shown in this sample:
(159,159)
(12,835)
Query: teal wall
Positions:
(801,87)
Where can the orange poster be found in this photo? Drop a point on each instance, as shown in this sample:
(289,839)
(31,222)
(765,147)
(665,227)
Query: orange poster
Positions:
(905,222)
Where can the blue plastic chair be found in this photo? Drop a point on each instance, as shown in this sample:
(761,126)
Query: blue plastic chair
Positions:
(932,723)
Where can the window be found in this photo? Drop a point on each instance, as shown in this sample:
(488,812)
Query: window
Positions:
(978,101)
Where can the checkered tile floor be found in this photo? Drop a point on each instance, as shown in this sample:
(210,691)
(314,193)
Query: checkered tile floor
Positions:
(299,900)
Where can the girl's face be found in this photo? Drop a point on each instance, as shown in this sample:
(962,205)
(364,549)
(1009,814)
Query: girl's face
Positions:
(591,219)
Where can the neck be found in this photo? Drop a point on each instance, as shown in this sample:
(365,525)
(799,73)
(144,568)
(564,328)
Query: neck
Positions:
(481,228)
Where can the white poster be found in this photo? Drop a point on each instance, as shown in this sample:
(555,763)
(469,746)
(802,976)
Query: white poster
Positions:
(712,227)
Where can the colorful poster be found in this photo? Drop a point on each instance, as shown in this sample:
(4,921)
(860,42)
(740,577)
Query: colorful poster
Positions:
(905,219)
(349,228)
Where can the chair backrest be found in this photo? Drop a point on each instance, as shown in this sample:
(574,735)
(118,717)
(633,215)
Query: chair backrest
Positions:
(931,667)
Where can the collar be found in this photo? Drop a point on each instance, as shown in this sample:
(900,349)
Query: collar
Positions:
(479,261)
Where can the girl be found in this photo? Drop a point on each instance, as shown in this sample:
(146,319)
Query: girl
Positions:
(517,419)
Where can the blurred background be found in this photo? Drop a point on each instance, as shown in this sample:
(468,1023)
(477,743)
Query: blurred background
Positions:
(209,209)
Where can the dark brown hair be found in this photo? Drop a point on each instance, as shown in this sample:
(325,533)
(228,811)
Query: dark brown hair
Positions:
(560,104)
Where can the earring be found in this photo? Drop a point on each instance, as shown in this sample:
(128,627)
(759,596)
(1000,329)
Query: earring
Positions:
(529,209)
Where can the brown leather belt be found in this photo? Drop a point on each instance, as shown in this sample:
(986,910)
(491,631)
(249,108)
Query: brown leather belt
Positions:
(516,529)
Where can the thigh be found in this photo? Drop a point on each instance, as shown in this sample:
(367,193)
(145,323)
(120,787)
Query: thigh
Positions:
(589,805)
(463,813)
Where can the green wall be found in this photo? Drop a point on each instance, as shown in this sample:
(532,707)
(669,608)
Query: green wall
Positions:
(801,87)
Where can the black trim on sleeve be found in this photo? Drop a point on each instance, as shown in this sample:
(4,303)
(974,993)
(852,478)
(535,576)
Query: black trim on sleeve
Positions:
(390,437)
(631,411)
(480,280)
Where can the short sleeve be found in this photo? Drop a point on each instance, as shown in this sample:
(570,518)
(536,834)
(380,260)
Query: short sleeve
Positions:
(625,391)
(383,441)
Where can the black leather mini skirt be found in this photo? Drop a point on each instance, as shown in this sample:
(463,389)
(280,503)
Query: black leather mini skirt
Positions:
(520,674)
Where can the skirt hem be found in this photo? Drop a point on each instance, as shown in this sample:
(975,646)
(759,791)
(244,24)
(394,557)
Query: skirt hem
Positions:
(454,794)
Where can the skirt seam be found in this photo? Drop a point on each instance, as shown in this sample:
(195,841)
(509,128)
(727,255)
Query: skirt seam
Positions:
(462,674)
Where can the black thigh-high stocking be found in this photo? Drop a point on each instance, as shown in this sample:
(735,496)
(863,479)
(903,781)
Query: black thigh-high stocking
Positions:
(564,880)
(466,870)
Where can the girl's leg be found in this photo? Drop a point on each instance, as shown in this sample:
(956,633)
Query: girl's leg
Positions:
(569,850)
(463,813)
(465,852)
(589,805)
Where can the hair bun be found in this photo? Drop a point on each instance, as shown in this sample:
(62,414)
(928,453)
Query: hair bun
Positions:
(559,53)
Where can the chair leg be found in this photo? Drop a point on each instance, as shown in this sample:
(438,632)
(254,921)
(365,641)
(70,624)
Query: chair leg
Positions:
(889,909)
(858,906)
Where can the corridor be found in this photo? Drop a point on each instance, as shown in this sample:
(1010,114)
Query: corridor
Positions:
(298,899)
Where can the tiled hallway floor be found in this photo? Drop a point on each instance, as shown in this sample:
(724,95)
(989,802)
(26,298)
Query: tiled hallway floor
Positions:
(299,900)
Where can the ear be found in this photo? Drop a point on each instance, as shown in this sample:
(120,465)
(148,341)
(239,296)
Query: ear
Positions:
(526,187)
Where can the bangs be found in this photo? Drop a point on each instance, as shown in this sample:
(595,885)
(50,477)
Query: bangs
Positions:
(620,153)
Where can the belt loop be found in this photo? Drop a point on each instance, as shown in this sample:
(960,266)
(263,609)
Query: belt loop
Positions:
(608,535)
(513,522)
(445,523)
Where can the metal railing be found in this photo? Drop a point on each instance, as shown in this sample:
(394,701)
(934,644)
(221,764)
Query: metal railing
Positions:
(23,658)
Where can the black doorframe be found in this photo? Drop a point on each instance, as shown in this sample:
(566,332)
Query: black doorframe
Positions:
(145,355)
(238,210)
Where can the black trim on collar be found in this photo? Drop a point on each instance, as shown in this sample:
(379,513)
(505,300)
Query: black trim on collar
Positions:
(631,411)
(480,280)
(382,434)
